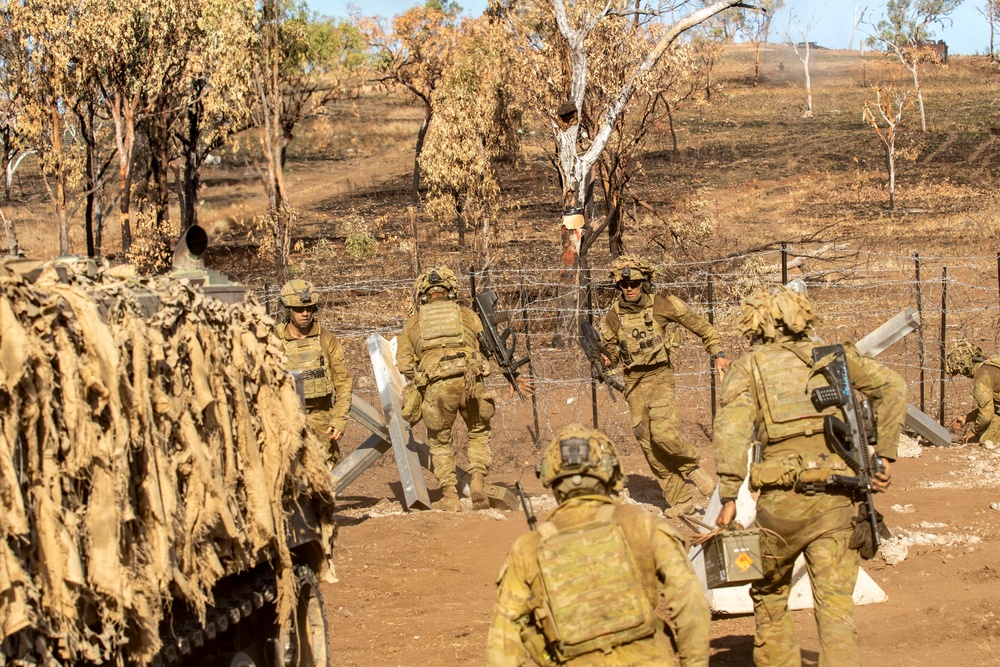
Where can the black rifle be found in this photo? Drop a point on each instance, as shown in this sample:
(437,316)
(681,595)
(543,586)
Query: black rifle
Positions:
(526,506)
(850,437)
(493,343)
(594,349)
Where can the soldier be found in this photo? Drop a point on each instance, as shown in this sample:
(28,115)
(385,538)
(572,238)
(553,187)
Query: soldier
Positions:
(766,395)
(583,588)
(967,359)
(641,329)
(316,354)
(438,351)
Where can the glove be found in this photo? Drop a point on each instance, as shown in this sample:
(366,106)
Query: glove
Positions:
(862,540)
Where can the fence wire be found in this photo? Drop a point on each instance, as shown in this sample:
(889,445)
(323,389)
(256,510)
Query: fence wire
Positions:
(854,291)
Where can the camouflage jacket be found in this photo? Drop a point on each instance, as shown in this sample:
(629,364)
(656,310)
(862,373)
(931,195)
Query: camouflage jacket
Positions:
(986,392)
(741,416)
(661,558)
(410,347)
(668,312)
(339,374)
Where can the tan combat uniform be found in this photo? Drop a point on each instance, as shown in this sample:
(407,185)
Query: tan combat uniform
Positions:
(986,393)
(642,334)
(662,566)
(767,392)
(438,350)
(326,380)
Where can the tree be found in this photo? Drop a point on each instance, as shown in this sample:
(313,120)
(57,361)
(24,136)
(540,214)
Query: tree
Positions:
(565,45)
(803,56)
(904,32)
(414,53)
(707,42)
(302,63)
(755,24)
(888,111)
(859,17)
(473,130)
(990,11)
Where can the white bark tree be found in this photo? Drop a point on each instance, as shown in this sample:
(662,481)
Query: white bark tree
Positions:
(803,31)
(990,11)
(904,32)
(859,17)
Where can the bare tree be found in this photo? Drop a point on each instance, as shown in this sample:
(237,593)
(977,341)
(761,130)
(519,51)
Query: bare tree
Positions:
(906,29)
(803,55)
(884,116)
(755,24)
(990,11)
(859,17)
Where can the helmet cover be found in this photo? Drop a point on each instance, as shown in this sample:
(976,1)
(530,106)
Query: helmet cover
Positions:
(436,276)
(962,358)
(630,267)
(764,315)
(580,451)
(298,293)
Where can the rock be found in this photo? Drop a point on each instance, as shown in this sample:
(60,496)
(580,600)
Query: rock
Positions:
(894,552)
(909,448)
(995,506)
(904,509)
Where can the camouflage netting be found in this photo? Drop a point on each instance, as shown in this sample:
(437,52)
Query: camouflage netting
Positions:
(141,460)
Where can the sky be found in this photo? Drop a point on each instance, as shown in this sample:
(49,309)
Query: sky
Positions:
(968,34)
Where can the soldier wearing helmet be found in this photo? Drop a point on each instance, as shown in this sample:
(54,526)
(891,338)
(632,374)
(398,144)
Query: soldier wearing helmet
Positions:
(583,588)
(312,351)
(438,351)
(968,360)
(766,396)
(641,329)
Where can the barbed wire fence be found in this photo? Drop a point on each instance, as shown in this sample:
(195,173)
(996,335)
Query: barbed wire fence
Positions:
(854,290)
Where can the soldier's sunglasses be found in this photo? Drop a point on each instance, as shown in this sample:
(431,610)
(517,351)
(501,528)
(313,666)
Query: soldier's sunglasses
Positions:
(301,309)
(629,284)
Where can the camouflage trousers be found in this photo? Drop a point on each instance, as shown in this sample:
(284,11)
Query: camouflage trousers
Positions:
(820,528)
(992,432)
(443,401)
(319,421)
(653,406)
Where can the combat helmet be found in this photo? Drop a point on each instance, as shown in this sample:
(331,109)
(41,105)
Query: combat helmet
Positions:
(632,267)
(962,359)
(436,277)
(782,310)
(298,293)
(577,453)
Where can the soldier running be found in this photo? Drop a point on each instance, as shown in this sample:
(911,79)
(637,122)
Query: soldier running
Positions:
(641,329)
(314,352)
(583,588)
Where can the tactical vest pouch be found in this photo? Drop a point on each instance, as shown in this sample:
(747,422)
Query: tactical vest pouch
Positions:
(306,356)
(446,352)
(641,340)
(784,384)
(595,599)
(412,399)
(775,473)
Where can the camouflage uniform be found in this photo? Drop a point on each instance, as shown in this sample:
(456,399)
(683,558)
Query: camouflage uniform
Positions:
(642,335)
(582,589)
(438,351)
(767,393)
(967,359)
(320,359)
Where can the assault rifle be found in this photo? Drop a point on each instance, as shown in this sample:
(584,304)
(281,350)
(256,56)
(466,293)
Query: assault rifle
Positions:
(493,343)
(594,349)
(852,436)
(529,514)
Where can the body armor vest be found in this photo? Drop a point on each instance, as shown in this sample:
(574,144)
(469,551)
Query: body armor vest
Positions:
(641,341)
(594,598)
(783,383)
(446,348)
(306,355)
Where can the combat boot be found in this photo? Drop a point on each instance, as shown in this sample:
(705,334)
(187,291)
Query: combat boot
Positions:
(449,501)
(702,480)
(477,489)
(674,511)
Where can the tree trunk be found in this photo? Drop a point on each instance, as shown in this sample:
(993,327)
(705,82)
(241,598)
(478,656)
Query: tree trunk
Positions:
(415,187)
(124,120)
(890,158)
(920,97)
(86,118)
(157,134)
(192,163)
(60,178)
(756,62)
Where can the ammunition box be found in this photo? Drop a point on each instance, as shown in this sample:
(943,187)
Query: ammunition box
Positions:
(732,558)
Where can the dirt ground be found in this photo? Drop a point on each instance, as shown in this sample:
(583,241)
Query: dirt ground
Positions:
(418,588)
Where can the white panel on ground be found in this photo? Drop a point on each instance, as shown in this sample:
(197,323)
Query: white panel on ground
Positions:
(736,599)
